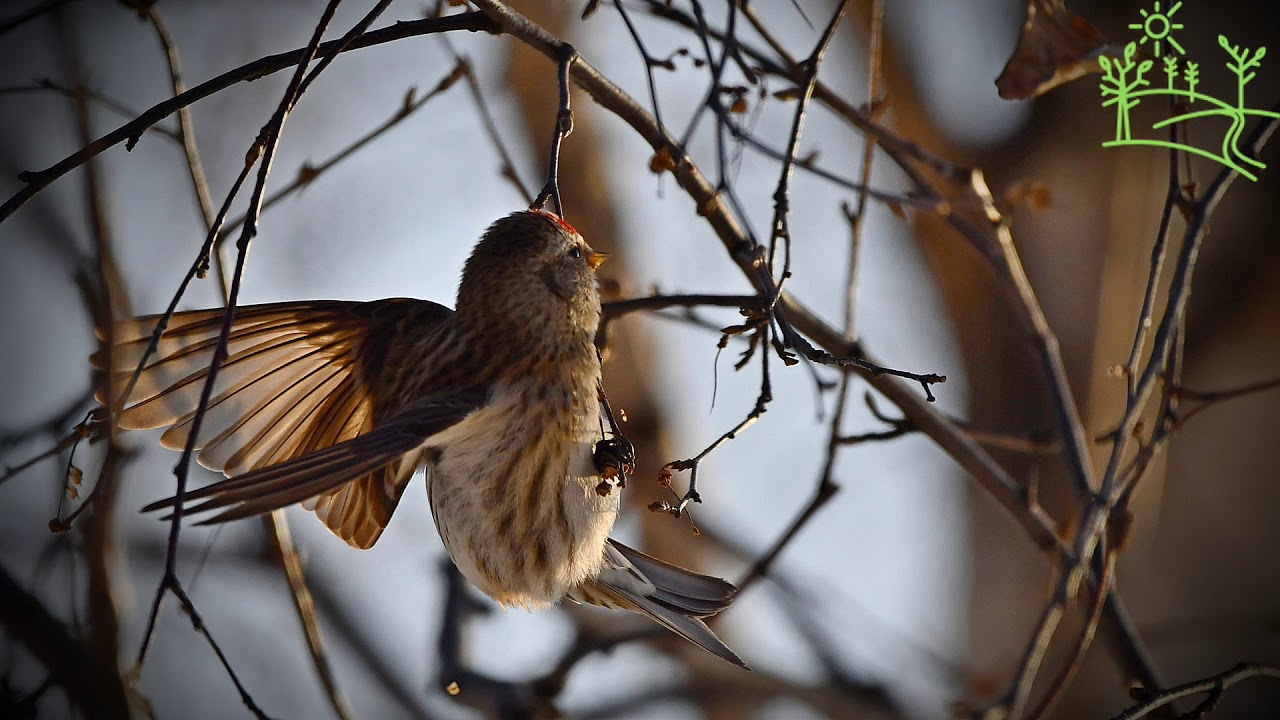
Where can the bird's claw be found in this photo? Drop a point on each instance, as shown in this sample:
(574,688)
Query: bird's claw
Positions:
(615,458)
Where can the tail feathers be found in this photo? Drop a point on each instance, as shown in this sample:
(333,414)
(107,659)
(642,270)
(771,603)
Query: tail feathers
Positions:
(672,596)
(700,595)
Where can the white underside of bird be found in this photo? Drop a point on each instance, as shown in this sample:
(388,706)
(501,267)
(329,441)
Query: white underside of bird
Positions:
(463,490)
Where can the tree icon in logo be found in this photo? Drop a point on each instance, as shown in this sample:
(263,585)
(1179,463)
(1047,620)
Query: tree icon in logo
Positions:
(1124,84)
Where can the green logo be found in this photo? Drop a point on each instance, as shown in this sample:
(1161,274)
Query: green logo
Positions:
(1124,78)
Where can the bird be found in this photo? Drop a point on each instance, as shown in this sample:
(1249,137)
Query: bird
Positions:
(337,404)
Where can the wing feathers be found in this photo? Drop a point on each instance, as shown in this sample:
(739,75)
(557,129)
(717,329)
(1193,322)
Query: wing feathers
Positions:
(363,476)
(167,402)
(294,387)
(274,431)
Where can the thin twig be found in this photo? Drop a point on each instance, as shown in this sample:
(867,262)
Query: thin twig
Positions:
(692,464)
(902,151)
(308,173)
(565,55)
(860,361)
(187,135)
(1045,342)
(508,169)
(49,641)
(857,217)
(534,698)
(1215,686)
(822,494)
(197,622)
(54,424)
(1173,198)
(780,228)
(277,526)
(130,132)
(617,308)
(1106,578)
(1207,399)
(24,16)
(827,487)
(352,628)
(99,548)
(47,85)
(649,62)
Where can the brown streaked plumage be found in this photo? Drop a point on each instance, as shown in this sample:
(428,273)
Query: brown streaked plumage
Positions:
(336,404)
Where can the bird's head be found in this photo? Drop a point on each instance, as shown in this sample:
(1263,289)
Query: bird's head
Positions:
(532,271)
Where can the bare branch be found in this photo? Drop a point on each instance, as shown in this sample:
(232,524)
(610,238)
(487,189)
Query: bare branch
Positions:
(277,526)
(132,131)
(24,16)
(1215,686)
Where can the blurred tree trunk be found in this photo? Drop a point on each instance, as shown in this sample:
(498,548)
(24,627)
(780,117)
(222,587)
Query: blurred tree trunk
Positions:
(1193,575)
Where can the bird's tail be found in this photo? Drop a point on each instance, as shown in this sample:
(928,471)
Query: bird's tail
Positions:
(672,596)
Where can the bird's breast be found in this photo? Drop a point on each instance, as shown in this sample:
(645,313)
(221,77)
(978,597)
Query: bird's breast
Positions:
(513,491)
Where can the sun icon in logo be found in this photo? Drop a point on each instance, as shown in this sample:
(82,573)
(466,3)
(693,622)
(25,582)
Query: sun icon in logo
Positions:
(1158,27)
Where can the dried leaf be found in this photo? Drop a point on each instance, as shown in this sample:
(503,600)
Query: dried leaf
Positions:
(1039,198)
(739,106)
(790,93)
(1055,46)
(452,688)
(1035,195)
(590,9)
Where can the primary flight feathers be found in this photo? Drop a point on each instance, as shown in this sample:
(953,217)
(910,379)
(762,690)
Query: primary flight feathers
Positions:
(291,406)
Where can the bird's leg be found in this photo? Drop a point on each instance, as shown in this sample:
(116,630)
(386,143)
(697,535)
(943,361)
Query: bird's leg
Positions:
(614,456)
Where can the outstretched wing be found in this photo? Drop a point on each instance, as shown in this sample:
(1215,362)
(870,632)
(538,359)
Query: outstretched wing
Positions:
(387,451)
(298,379)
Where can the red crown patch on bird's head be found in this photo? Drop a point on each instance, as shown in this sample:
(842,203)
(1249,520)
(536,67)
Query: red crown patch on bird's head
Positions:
(559,221)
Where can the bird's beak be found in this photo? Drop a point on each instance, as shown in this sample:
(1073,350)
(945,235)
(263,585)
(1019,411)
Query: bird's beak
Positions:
(596,259)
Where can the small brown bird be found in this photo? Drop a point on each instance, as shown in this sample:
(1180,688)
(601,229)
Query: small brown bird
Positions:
(336,404)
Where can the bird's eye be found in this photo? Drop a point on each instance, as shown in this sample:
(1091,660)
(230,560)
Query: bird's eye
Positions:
(575,252)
